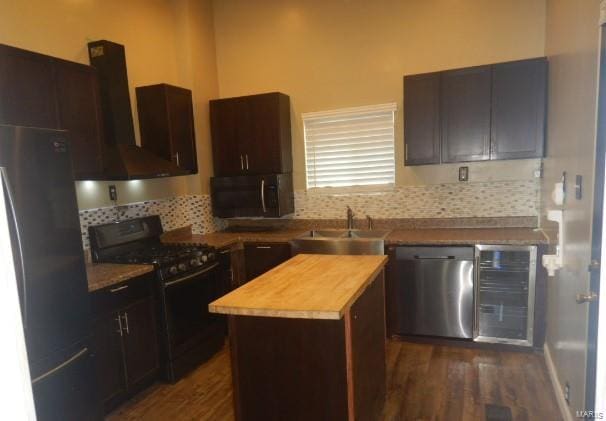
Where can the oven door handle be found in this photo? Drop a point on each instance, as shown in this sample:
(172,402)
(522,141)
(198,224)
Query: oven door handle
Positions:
(193,275)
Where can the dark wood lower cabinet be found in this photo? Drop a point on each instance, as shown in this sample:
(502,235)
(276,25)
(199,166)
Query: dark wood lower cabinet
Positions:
(261,257)
(107,343)
(125,339)
(310,369)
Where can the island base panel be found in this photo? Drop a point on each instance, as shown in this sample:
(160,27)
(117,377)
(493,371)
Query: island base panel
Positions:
(304,369)
(291,369)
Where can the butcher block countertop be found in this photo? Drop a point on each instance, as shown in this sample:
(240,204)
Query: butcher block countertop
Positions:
(103,275)
(308,286)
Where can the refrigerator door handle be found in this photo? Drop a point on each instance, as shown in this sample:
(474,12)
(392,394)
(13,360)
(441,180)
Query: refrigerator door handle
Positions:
(61,366)
(11,202)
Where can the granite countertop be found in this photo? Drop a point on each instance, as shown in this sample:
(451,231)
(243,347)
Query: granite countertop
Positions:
(308,286)
(225,239)
(429,236)
(102,275)
(467,236)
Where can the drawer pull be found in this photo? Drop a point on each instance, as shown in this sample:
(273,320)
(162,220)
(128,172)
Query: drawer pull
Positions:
(263,247)
(119,320)
(118,288)
(126,323)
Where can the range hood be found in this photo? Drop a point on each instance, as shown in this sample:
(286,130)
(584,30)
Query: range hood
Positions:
(124,160)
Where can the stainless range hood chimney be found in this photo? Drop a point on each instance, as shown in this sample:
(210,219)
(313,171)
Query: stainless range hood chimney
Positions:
(124,159)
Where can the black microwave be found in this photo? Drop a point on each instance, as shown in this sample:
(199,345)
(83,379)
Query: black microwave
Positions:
(268,196)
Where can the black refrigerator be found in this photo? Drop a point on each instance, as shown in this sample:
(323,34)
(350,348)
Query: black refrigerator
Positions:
(36,173)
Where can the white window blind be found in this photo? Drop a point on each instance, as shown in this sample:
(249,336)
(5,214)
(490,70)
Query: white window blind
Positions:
(350,147)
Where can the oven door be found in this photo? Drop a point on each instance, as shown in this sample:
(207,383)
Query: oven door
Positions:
(188,323)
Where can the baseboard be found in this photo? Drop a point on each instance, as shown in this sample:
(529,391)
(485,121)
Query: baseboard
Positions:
(558,390)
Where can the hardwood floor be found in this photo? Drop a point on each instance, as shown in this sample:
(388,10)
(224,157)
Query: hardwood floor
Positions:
(425,382)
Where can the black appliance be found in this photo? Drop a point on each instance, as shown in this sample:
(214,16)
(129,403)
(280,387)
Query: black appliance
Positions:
(37,177)
(124,159)
(268,195)
(189,278)
(431,291)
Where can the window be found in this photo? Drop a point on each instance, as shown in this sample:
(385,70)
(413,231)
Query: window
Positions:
(350,147)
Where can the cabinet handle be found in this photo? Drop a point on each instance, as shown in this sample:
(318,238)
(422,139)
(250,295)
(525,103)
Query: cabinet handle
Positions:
(241,162)
(119,320)
(262,195)
(118,288)
(263,247)
(246,161)
(405,152)
(126,323)
(231,275)
(177,158)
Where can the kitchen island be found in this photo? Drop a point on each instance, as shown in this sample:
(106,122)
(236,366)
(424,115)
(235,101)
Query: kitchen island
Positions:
(307,340)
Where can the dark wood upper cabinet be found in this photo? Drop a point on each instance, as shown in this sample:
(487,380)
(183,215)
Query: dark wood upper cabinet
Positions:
(226,130)
(251,134)
(43,91)
(166,122)
(475,114)
(27,89)
(519,91)
(422,119)
(79,112)
(466,114)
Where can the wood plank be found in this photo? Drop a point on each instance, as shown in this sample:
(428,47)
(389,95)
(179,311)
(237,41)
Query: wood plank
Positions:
(412,370)
(308,286)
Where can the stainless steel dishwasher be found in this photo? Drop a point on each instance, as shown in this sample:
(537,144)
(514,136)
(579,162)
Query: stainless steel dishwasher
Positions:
(431,291)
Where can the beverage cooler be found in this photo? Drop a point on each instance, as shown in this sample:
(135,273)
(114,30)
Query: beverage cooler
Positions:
(505,294)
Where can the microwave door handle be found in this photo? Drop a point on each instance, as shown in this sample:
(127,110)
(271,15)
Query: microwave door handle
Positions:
(263,195)
(11,203)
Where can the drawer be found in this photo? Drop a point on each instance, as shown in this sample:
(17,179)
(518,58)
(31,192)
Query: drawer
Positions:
(117,296)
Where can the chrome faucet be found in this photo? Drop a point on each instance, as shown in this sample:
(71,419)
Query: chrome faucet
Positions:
(370,222)
(350,216)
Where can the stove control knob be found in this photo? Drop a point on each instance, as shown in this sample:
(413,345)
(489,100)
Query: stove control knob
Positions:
(182,267)
(204,257)
(173,270)
(195,262)
(211,256)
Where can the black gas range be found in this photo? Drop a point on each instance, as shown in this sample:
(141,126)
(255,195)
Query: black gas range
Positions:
(189,277)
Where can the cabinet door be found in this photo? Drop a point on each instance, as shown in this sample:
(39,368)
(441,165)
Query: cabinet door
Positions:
(182,136)
(107,348)
(518,109)
(263,142)
(80,112)
(466,114)
(226,125)
(422,119)
(140,341)
(261,257)
(26,83)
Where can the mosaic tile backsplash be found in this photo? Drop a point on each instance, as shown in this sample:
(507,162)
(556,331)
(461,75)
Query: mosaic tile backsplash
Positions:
(175,212)
(460,200)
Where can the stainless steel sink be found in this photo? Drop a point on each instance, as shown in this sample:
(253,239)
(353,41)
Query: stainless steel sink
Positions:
(340,242)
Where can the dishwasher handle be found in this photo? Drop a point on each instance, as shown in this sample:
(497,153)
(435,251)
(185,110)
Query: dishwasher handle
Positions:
(419,257)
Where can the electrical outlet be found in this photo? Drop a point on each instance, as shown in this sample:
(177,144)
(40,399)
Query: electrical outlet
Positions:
(113,193)
(567,393)
(463,173)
